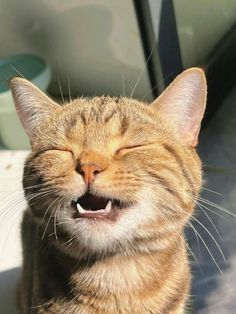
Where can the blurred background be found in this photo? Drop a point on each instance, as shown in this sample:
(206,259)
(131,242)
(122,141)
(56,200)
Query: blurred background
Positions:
(133,48)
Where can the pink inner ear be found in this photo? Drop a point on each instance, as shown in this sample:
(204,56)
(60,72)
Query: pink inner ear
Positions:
(193,133)
(193,125)
(195,137)
(183,103)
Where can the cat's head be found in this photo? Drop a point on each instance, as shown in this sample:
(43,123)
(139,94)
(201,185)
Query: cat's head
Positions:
(109,173)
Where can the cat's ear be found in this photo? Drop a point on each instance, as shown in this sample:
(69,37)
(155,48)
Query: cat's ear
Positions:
(32,105)
(183,103)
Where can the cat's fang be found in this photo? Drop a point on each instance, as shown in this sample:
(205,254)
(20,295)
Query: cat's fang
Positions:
(80,209)
(108,207)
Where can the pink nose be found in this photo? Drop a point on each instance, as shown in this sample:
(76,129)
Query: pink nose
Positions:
(88,172)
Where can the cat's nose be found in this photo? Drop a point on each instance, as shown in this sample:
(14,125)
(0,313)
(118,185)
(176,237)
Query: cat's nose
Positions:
(88,172)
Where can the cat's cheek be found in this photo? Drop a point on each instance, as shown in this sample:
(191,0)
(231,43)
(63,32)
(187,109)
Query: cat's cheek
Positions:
(117,184)
(73,187)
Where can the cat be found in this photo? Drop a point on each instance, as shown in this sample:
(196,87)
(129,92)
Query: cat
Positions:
(110,183)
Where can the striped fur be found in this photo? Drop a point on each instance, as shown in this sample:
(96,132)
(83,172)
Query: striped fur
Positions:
(136,263)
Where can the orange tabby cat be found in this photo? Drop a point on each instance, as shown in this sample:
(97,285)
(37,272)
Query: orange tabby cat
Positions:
(110,185)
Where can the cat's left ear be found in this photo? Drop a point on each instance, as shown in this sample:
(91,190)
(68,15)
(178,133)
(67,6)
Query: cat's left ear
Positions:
(32,105)
(183,103)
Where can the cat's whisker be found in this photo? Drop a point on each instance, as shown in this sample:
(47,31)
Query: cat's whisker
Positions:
(54,223)
(214,226)
(197,239)
(17,71)
(34,185)
(69,89)
(19,202)
(12,204)
(194,256)
(10,215)
(48,208)
(200,199)
(144,69)
(11,195)
(212,237)
(123,84)
(71,238)
(180,236)
(47,224)
(9,232)
(212,191)
(207,248)
(60,89)
(213,212)
(51,215)
(156,86)
(68,243)
(5,215)
(60,204)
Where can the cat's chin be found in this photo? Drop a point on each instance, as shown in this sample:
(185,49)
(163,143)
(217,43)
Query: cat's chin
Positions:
(106,233)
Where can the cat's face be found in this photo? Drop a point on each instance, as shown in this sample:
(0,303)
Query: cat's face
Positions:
(111,173)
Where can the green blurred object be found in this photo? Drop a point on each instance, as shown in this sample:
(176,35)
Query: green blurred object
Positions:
(35,70)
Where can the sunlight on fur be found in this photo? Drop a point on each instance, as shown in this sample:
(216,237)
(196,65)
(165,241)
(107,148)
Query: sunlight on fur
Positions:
(110,183)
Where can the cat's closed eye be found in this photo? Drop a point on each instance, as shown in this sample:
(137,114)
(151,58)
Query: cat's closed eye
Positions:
(126,149)
(59,152)
(64,150)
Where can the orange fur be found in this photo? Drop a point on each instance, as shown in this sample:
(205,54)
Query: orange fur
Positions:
(135,262)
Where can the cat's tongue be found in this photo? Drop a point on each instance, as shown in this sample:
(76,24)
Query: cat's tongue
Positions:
(91,206)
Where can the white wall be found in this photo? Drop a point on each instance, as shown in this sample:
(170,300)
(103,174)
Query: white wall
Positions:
(94,43)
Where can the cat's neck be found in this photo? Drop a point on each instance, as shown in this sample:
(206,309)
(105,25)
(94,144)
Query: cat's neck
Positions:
(135,280)
(121,271)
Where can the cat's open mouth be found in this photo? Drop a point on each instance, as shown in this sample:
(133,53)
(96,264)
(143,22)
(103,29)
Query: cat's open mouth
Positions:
(91,206)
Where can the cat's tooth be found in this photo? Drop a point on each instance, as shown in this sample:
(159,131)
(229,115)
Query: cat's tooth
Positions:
(108,207)
(80,209)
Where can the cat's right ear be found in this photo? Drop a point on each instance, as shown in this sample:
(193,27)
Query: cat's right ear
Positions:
(183,104)
(32,105)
